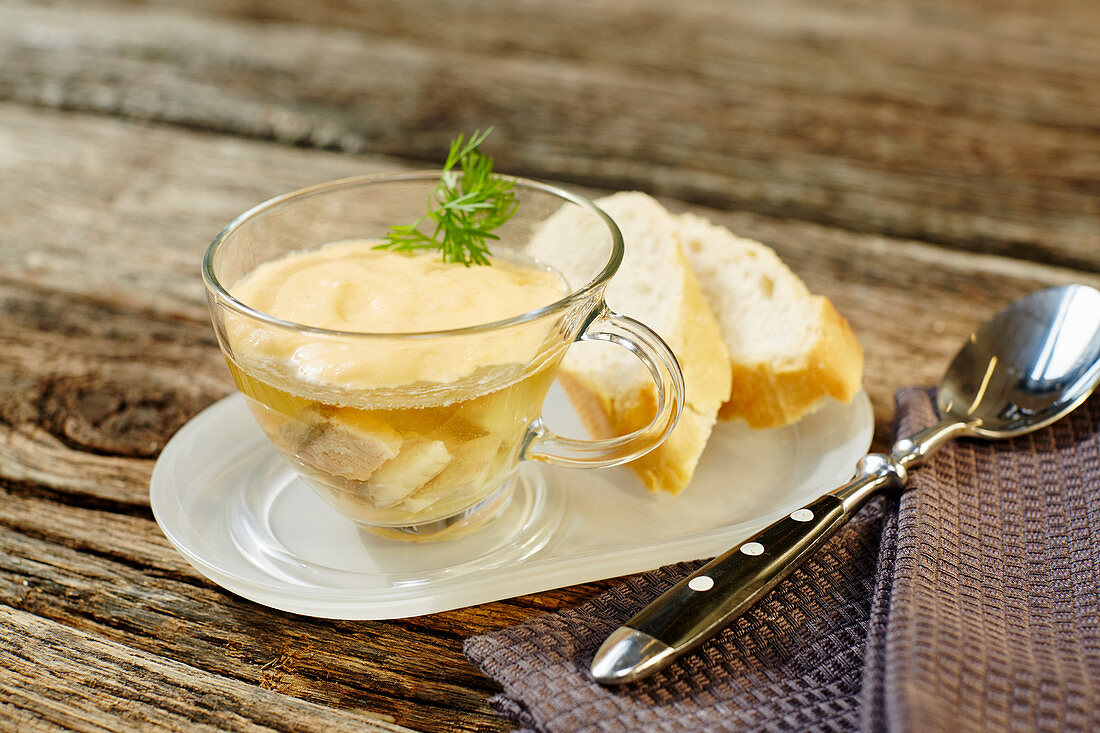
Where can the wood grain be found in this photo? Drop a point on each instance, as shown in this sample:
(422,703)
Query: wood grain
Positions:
(92,384)
(131,133)
(910,302)
(970,123)
(114,576)
(86,580)
(53,671)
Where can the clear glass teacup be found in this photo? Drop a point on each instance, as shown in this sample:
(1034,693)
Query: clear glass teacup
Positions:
(415,435)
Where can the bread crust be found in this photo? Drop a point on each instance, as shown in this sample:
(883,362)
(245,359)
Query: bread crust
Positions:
(767,397)
(702,355)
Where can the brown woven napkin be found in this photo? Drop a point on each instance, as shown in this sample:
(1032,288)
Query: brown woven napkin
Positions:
(971,604)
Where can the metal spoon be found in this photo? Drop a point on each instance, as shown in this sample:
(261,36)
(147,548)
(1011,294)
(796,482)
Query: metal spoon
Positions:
(1027,367)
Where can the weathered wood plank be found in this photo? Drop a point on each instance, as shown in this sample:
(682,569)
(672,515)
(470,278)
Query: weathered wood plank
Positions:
(970,123)
(122,213)
(75,454)
(90,390)
(94,572)
(62,679)
(882,285)
(135,541)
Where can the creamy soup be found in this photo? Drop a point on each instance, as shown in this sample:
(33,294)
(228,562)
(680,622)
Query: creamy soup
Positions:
(395,430)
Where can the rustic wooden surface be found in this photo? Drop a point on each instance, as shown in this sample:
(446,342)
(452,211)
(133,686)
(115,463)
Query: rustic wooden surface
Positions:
(922,163)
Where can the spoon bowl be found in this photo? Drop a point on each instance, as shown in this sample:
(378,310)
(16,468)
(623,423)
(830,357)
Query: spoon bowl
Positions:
(1028,366)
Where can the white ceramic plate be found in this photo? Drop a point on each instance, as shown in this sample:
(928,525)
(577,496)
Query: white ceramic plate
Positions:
(236,511)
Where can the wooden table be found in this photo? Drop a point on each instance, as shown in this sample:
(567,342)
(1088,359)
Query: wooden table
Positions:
(921,162)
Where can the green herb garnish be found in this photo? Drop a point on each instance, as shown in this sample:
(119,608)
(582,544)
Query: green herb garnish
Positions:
(466,207)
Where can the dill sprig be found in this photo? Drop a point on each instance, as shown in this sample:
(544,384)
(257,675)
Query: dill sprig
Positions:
(465,208)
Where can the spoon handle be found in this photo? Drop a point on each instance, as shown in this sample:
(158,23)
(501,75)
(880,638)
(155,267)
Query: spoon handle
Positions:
(703,603)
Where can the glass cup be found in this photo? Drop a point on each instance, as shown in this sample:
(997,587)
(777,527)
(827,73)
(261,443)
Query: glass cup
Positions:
(415,435)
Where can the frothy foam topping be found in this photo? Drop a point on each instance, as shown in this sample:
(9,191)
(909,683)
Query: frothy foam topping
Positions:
(350,286)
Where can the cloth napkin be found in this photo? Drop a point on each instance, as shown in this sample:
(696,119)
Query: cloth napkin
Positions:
(970,603)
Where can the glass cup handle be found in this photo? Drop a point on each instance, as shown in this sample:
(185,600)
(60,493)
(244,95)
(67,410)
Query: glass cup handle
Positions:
(644,343)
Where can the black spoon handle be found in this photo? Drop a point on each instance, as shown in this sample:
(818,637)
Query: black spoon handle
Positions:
(725,587)
(700,605)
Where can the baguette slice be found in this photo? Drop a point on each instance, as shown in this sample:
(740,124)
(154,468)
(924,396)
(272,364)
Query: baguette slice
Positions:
(788,348)
(611,391)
